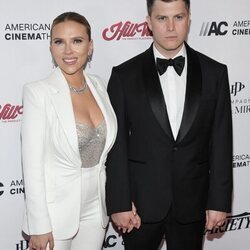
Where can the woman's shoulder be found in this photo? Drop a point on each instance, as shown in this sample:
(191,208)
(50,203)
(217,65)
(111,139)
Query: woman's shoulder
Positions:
(38,84)
(97,81)
(41,84)
(37,89)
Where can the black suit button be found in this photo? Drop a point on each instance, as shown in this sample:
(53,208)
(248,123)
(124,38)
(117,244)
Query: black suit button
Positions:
(175,149)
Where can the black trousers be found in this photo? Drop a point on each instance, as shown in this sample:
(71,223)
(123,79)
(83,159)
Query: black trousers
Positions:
(178,236)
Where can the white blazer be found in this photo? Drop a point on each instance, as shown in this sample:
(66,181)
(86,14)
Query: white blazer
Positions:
(51,158)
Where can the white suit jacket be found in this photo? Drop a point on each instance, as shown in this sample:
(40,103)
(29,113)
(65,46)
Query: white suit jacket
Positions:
(51,159)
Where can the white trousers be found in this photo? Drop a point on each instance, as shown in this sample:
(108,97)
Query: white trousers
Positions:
(91,234)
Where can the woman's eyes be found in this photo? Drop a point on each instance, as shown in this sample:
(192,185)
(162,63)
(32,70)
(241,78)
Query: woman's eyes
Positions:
(58,41)
(75,41)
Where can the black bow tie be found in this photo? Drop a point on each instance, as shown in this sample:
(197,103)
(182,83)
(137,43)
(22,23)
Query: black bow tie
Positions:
(177,63)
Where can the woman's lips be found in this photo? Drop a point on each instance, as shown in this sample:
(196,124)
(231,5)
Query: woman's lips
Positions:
(70,61)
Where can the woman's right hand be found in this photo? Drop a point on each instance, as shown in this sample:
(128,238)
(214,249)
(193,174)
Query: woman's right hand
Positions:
(40,242)
(127,220)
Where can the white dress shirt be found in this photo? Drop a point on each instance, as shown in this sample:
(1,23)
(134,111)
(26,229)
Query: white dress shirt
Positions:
(174,90)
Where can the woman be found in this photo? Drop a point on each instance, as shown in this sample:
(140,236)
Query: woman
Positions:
(67,130)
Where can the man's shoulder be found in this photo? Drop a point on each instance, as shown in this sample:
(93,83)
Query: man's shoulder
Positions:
(207,60)
(134,62)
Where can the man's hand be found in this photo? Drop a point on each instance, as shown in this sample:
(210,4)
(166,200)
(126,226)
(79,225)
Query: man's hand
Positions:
(126,221)
(40,242)
(215,219)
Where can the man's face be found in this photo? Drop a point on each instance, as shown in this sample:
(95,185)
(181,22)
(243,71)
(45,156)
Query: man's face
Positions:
(169,23)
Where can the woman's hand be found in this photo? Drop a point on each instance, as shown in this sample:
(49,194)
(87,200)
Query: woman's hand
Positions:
(40,242)
(126,221)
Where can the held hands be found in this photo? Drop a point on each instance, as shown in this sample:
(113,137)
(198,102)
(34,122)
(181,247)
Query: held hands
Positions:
(40,242)
(126,221)
(215,219)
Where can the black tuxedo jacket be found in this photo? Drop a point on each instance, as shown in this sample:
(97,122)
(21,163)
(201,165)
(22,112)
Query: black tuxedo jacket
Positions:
(147,165)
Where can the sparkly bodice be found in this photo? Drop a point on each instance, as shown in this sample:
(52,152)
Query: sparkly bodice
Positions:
(91,143)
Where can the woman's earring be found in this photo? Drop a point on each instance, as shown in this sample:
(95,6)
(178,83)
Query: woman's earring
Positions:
(89,60)
(54,64)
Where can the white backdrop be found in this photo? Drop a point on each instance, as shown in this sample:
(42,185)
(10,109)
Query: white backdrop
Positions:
(219,28)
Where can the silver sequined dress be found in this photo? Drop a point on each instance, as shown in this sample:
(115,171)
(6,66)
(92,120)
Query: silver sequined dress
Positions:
(91,142)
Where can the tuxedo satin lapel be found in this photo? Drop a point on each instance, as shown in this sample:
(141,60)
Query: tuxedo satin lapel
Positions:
(154,92)
(62,103)
(193,93)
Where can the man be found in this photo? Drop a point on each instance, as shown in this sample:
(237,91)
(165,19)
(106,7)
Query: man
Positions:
(170,169)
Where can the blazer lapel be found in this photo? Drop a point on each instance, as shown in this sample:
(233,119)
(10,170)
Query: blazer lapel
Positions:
(154,92)
(61,100)
(102,100)
(62,103)
(193,93)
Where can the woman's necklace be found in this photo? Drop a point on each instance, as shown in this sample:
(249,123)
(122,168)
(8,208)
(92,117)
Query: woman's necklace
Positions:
(78,90)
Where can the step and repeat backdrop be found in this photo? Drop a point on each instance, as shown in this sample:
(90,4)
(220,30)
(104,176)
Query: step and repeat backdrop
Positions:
(219,28)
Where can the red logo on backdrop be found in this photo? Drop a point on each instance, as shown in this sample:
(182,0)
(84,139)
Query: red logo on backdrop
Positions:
(10,113)
(127,31)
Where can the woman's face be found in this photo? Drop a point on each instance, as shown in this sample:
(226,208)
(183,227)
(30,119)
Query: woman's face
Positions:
(70,47)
